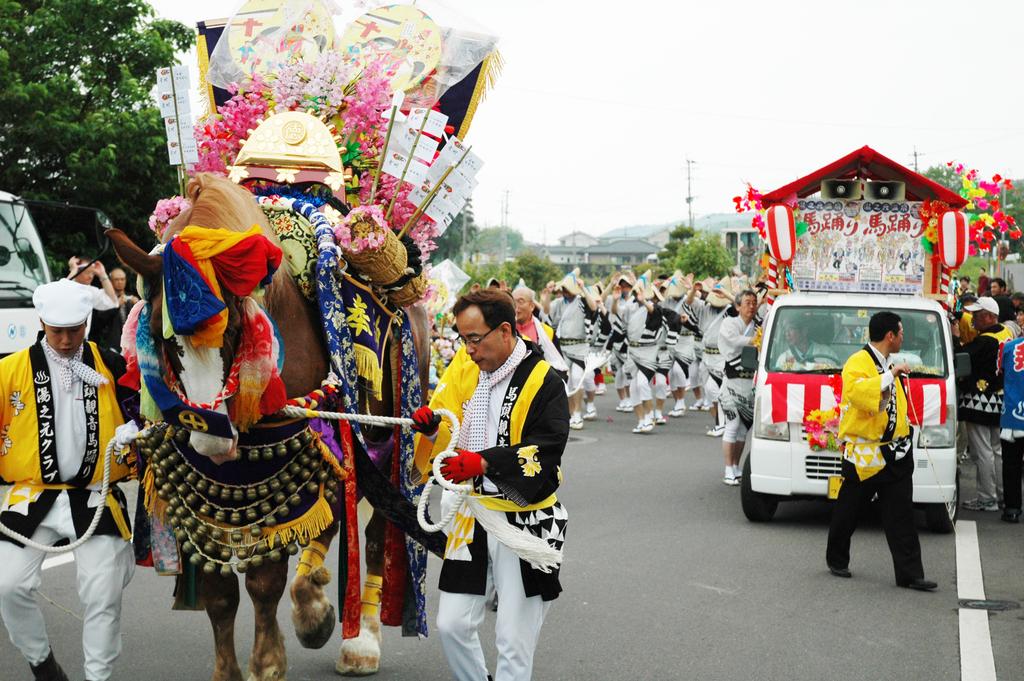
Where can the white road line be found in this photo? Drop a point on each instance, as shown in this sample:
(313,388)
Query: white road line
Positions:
(969,582)
(58,559)
(976,660)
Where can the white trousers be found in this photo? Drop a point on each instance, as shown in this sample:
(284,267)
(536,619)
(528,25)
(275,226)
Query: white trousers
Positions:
(660,386)
(677,378)
(624,374)
(643,389)
(105,565)
(735,430)
(517,628)
(576,373)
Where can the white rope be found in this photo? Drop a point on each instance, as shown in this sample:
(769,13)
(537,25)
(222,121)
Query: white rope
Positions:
(89,531)
(530,548)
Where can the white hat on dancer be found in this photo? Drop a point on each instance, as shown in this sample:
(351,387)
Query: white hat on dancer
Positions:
(63,303)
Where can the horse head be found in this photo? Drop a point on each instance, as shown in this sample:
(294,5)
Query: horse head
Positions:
(199,357)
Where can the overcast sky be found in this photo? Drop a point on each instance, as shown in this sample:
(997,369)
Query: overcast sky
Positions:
(601,103)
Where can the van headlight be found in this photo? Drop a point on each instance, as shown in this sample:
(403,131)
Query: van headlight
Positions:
(768,431)
(938,436)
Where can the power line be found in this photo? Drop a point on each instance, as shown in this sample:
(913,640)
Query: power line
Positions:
(689,190)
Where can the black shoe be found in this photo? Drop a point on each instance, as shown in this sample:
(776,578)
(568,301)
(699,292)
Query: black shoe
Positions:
(1011,515)
(840,571)
(49,670)
(919,585)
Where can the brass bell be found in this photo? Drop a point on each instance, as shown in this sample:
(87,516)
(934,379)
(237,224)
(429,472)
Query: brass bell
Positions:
(256,560)
(241,567)
(209,568)
(254,455)
(281,449)
(275,556)
(195,559)
(268,454)
(236,518)
(225,569)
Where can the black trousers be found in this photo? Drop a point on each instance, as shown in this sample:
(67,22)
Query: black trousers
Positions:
(894,486)
(1013,452)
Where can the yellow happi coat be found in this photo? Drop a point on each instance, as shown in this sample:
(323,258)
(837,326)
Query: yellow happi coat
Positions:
(864,416)
(20,435)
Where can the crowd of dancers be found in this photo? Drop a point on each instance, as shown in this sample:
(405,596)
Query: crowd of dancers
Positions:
(660,339)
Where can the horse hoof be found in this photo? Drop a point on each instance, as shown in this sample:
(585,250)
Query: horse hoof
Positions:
(360,656)
(317,636)
(268,674)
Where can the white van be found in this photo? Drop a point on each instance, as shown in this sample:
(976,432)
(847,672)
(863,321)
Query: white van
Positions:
(22,268)
(807,338)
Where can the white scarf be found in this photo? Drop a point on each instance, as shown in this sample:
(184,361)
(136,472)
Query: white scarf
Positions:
(71,368)
(551,353)
(474,430)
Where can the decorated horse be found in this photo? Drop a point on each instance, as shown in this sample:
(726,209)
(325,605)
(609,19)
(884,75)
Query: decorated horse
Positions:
(235,477)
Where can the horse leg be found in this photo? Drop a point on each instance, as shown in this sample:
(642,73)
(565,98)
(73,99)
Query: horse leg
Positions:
(360,656)
(220,595)
(265,585)
(313,615)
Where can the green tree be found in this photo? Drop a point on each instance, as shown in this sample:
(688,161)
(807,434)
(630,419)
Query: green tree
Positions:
(945,176)
(489,241)
(677,238)
(705,256)
(451,244)
(77,123)
(535,270)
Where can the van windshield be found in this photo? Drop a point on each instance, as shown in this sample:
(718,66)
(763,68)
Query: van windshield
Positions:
(820,340)
(22,262)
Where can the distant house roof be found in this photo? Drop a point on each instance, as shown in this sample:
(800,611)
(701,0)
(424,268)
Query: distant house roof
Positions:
(718,222)
(867,164)
(635,232)
(624,246)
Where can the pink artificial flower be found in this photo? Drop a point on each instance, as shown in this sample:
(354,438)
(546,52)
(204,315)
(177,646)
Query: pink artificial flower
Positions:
(165,211)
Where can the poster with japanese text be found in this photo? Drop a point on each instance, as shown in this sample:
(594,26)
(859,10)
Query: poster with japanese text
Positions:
(859,246)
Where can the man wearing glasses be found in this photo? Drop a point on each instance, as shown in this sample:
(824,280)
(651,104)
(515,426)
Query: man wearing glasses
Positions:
(515,424)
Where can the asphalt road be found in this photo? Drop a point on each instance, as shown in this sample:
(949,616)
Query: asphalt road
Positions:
(664,578)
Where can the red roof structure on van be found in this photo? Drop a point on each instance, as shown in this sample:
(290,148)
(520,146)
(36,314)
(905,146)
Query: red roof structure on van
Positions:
(867,164)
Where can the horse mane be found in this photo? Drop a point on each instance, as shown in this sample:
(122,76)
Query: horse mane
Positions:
(219,203)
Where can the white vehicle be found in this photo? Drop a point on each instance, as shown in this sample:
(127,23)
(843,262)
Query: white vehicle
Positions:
(808,337)
(22,268)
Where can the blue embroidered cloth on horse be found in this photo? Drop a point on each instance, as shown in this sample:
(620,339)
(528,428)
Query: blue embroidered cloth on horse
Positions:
(341,346)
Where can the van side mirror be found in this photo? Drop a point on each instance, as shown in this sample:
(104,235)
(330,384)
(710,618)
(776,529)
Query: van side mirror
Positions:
(748,358)
(961,365)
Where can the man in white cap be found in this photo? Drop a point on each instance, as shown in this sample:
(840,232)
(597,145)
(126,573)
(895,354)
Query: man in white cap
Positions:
(59,407)
(981,400)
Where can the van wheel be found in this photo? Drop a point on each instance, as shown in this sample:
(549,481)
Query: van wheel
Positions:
(937,516)
(758,507)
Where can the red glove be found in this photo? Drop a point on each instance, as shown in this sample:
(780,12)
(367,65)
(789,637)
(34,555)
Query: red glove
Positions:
(425,421)
(465,466)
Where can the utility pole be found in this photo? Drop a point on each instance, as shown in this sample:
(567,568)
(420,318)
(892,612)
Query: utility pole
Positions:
(503,251)
(915,159)
(689,190)
(465,240)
